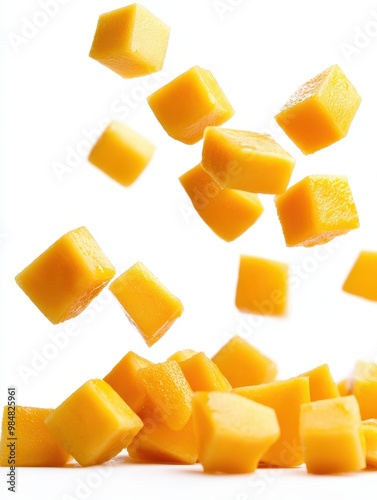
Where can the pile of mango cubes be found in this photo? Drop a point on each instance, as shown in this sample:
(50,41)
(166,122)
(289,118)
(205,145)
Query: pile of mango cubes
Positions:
(227,412)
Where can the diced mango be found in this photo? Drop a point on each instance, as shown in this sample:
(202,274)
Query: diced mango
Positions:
(65,278)
(316,209)
(321,111)
(203,374)
(121,153)
(181,355)
(369,429)
(94,424)
(130,41)
(125,380)
(286,398)
(189,103)
(242,364)
(148,304)
(331,436)
(228,212)
(362,279)
(322,385)
(168,393)
(262,286)
(32,443)
(158,443)
(345,387)
(233,433)
(365,388)
(245,160)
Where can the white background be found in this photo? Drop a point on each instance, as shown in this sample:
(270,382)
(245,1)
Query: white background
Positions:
(54,97)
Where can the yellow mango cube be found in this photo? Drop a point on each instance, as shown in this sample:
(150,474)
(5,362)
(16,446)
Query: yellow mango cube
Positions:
(321,111)
(203,374)
(182,355)
(316,209)
(369,430)
(148,304)
(130,41)
(124,378)
(94,424)
(228,212)
(121,153)
(65,278)
(31,443)
(322,385)
(286,398)
(249,161)
(365,388)
(233,433)
(242,364)
(189,103)
(262,286)
(331,436)
(345,387)
(362,279)
(168,394)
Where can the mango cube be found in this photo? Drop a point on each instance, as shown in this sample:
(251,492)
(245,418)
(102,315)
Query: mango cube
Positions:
(362,279)
(244,160)
(369,430)
(233,433)
(365,388)
(316,209)
(121,153)
(286,398)
(182,355)
(242,364)
(345,387)
(262,286)
(130,41)
(94,424)
(189,103)
(203,374)
(148,304)
(321,111)
(124,378)
(228,212)
(32,444)
(331,436)
(322,385)
(65,278)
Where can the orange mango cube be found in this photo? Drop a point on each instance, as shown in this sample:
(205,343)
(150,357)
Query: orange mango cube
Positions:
(245,160)
(32,444)
(365,388)
(94,424)
(322,385)
(148,304)
(316,209)
(331,436)
(228,212)
(121,153)
(286,398)
(345,387)
(262,286)
(369,430)
(321,111)
(362,279)
(242,364)
(181,355)
(130,41)
(189,103)
(203,374)
(65,278)
(125,380)
(233,432)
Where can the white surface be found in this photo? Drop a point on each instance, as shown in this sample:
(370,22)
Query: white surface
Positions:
(54,95)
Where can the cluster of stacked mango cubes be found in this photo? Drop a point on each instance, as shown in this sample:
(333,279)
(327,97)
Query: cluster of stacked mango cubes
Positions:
(227,412)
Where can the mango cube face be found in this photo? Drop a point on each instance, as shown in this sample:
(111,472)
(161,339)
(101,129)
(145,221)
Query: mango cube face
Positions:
(94,424)
(320,112)
(247,161)
(182,355)
(316,209)
(34,445)
(322,385)
(148,304)
(203,374)
(262,286)
(64,279)
(189,103)
(369,430)
(362,279)
(233,433)
(331,436)
(130,41)
(228,212)
(242,364)
(365,388)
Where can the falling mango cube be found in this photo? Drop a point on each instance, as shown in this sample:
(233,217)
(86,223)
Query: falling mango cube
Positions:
(362,279)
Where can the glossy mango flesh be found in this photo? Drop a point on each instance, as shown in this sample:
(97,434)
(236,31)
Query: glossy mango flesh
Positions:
(322,385)
(362,279)
(203,374)
(369,429)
